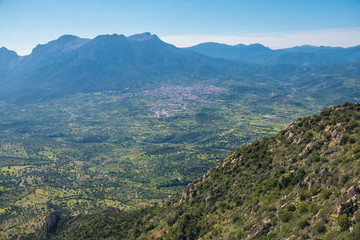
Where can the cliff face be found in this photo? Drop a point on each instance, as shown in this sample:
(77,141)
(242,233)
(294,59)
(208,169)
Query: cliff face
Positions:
(302,183)
(51,222)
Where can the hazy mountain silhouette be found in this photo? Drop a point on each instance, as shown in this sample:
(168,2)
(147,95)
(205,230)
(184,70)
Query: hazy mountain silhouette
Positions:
(258,54)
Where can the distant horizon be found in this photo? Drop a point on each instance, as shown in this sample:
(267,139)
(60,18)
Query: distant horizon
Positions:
(190,41)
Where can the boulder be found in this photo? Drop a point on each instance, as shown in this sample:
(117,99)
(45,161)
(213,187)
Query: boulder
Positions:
(352,191)
(254,230)
(323,171)
(307,179)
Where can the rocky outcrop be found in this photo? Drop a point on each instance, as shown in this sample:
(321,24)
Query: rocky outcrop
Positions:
(51,222)
(189,192)
(254,231)
(323,171)
(337,133)
(351,205)
(291,137)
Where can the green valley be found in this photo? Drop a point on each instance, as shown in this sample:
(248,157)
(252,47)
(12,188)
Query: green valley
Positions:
(300,184)
(125,150)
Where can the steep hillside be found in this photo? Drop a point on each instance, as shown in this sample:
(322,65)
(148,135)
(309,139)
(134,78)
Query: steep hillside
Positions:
(302,183)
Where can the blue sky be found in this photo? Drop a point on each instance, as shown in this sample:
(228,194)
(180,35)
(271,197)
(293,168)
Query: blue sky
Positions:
(274,23)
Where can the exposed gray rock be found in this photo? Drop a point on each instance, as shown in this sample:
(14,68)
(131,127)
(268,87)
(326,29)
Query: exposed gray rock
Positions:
(352,192)
(350,206)
(299,141)
(206,176)
(328,128)
(291,125)
(254,231)
(323,171)
(289,135)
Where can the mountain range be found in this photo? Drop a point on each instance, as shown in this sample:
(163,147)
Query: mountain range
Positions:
(113,62)
(259,54)
(71,64)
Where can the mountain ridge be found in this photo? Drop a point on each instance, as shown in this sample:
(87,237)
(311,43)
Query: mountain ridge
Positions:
(71,64)
(299,55)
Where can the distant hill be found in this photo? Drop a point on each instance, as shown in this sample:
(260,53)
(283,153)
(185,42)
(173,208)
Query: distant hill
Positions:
(302,183)
(329,83)
(258,54)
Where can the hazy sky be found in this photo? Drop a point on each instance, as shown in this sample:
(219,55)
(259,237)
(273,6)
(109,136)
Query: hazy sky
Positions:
(274,23)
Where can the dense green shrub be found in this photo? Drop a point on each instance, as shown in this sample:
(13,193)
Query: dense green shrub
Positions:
(303,223)
(303,207)
(291,208)
(326,193)
(285,216)
(303,195)
(313,208)
(356,231)
(319,228)
(344,222)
